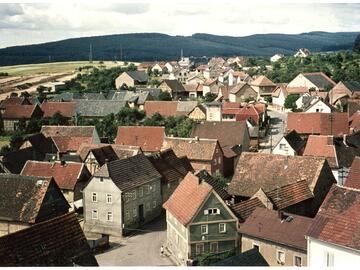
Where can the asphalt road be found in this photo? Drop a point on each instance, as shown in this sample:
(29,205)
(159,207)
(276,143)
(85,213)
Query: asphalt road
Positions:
(140,249)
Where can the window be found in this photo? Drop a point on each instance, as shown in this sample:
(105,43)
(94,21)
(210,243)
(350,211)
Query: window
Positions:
(199,249)
(297,261)
(94,197)
(215,162)
(214,247)
(141,191)
(219,161)
(133,195)
(109,198)
(280,256)
(282,146)
(109,216)
(134,212)
(127,214)
(257,247)
(154,204)
(94,214)
(329,258)
(204,229)
(147,191)
(222,228)
(101,180)
(212,211)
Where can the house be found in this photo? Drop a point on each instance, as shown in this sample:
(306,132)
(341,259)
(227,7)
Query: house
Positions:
(158,67)
(353,178)
(290,144)
(210,86)
(213,111)
(144,66)
(236,77)
(134,99)
(173,169)
(279,237)
(11,101)
(54,87)
(195,80)
(332,239)
(203,224)
(263,86)
(66,109)
(295,184)
(303,52)
(71,177)
(317,123)
(98,109)
(59,241)
(318,105)
(27,200)
(276,57)
(313,80)
(233,137)
(198,113)
(242,92)
(131,79)
(150,139)
(69,138)
(171,66)
(343,91)
(17,117)
(278,97)
(122,195)
(169,108)
(180,74)
(202,153)
(173,87)
(194,90)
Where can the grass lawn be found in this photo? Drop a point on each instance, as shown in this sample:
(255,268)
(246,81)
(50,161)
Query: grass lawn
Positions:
(57,67)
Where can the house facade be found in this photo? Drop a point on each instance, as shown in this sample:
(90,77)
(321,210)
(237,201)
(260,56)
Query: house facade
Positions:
(290,145)
(17,117)
(131,78)
(242,92)
(121,196)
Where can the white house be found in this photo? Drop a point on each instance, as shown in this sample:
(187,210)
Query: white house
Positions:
(276,57)
(315,80)
(303,52)
(290,145)
(332,239)
(300,101)
(278,97)
(317,105)
(213,111)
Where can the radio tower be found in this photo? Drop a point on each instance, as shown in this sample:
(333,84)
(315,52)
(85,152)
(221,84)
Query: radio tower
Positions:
(90,54)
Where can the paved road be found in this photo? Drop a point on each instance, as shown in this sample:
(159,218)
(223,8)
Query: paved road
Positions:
(138,250)
(276,132)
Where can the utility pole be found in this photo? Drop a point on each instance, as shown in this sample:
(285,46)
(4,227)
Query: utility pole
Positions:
(331,118)
(90,54)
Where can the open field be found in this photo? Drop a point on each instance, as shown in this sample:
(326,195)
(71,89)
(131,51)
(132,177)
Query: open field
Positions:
(57,67)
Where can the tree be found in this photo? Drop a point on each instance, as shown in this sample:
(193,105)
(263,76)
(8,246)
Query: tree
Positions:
(16,141)
(209,97)
(165,96)
(58,119)
(13,94)
(357,45)
(290,101)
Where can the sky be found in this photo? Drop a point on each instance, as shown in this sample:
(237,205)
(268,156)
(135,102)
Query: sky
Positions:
(44,21)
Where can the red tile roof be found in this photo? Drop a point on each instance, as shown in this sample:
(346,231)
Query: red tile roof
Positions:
(250,112)
(70,144)
(353,179)
(322,146)
(14,101)
(244,209)
(262,81)
(66,109)
(187,198)
(354,121)
(65,175)
(19,111)
(297,90)
(337,221)
(318,123)
(150,139)
(165,108)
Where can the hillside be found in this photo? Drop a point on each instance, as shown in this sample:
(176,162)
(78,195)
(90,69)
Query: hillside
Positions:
(155,46)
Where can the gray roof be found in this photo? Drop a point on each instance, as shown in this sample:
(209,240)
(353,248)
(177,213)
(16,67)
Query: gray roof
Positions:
(138,97)
(186,106)
(175,85)
(139,76)
(319,79)
(353,86)
(67,96)
(129,173)
(98,108)
(93,96)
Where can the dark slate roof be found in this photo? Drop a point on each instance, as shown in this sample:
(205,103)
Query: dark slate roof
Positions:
(353,140)
(56,242)
(129,173)
(345,154)
(251,257)
(98,108)
(21,197)
(172,168)
(205,176)
(139,76)
(244,209)
(295,140)
(353,86)
(319,79)
(175,85)
(67,96)
(103,154)
(93,96)
(138,97)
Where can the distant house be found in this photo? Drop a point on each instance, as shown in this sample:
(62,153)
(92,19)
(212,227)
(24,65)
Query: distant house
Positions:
(343,91)
(203,154)
(133,99)
(69,138)
(173,169)
(17,117)
(204,224)
(10,101)
(332,237)
(54,87)
(303,52)
(276,57)
(290,144)
(318,105)
(59,241)
(66,109)
(194,90)
(306,124)
(123,194)
(242,92)
(169,108)
(27,200)
(71,177)
(173,87)
(150,139)
(179,74)
(314,80)
(233,137)
(131,78)
(97,109)
(236,77)
(279,237)
(210,86)
(263,86)
(279,179)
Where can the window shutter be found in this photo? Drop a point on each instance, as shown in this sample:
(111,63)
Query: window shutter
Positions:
(206,212)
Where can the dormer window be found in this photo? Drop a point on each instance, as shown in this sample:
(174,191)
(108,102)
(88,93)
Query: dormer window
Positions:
(212,211)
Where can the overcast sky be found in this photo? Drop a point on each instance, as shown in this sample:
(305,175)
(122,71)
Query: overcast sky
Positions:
(41,22)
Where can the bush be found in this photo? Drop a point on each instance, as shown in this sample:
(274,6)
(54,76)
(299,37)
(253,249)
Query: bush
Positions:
(290,101)
(165,96)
